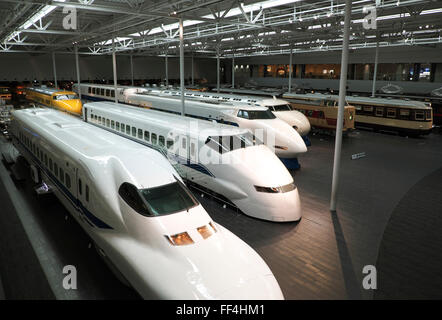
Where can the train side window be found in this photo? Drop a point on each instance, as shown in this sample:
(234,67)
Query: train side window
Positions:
(154,138)
(93,90)
(419,115)
(61,175)
(127,129)
(113,124)
(122,127)
(169,143)
(161,141)
(87,193)
(404,113)
(68,181)
(184,143)
(99,120)
(134,132)
(379,111)
(146,135)
(368,109)
(89,90)
(117,126)
(56,169)
(46,159)
(112,93)
(140,133)
(107,93)
(102,92)
(80,187)
(50,164)
(391,113)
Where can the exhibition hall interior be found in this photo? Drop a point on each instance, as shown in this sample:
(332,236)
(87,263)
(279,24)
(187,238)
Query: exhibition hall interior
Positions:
(221,150)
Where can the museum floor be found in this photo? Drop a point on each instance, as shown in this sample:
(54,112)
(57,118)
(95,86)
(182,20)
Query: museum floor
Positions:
(389,215)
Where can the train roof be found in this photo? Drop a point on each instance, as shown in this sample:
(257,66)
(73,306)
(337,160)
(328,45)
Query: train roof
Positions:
(95,146)
(363,100)
(168,120)
(48,91)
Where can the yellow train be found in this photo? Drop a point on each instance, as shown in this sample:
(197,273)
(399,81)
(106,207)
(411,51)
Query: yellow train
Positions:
(407,117)
(321,111)
(55,98)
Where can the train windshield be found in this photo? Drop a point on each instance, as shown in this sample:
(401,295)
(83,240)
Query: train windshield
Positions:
(65,97)
(224,144)
(255,115)
(158,201)
(281,107)
(167,199)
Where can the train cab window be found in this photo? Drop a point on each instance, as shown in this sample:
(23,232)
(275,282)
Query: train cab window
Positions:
(117,126)
(87,193)
(428,115)
(61,175)
(146,135)
(157,201)
(379,111)
(127,129)
(50,164)
(169,143)
(154,138)
(56,169)
(419,115)
(80,187)
(134,132)
(161,141)
(140,133)
(391,113)
(68,180)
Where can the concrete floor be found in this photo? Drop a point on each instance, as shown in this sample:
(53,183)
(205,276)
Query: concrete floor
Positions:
(321,257)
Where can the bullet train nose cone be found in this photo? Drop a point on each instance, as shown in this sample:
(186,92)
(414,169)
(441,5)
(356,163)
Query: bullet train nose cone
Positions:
(261,288)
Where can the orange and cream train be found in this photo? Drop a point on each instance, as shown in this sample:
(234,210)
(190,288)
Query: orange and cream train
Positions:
(67,101)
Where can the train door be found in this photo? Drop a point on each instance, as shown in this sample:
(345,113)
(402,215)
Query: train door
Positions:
(83,193)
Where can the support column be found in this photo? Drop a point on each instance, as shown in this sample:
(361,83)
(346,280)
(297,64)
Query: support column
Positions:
(193,78)
(55,70)
(182,66)
(233,71)
(376,57)
(290,69)
(167,70)
(340,120)
(114,67)
(132,69)
(217,70)
(78,71)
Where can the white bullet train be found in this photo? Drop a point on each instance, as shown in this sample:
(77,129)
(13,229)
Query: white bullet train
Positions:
(225,159)
(145,223)
(276,134)
(280,108)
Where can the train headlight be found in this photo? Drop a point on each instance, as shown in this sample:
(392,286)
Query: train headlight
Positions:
(180,239)
(351,117)
(205,232)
